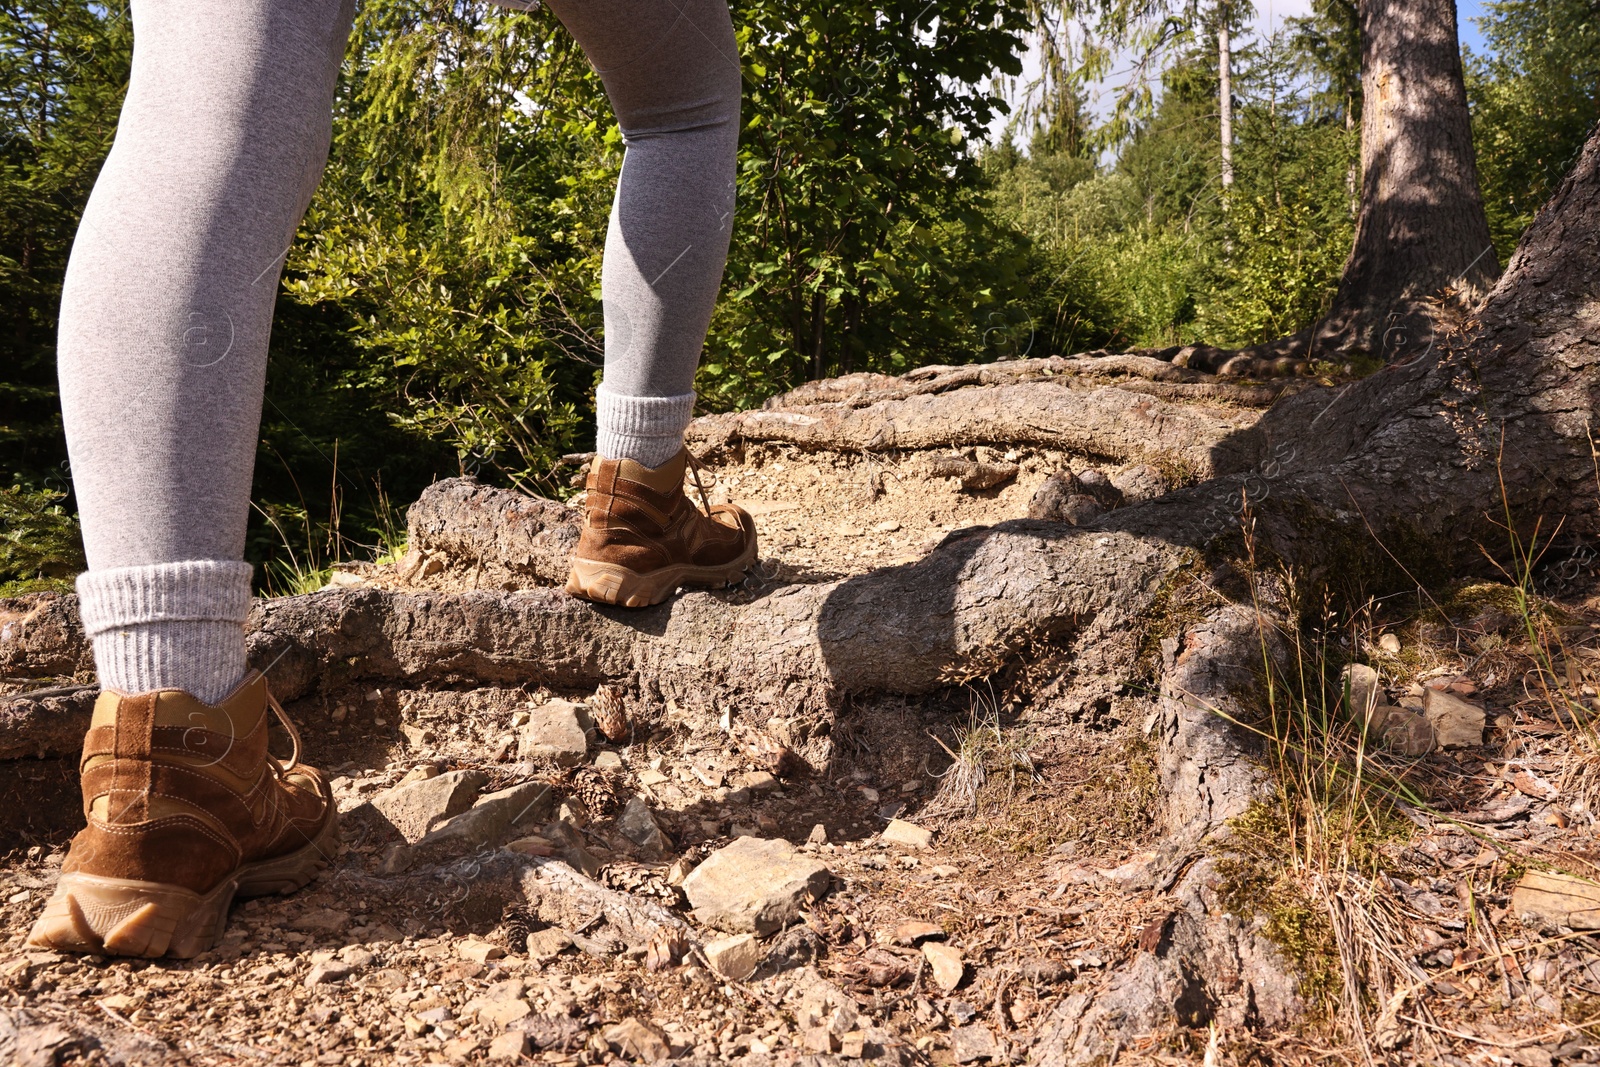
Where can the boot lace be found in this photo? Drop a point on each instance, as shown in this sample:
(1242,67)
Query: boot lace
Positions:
(294,738)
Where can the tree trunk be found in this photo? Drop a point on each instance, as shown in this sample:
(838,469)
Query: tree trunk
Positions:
(1421,229)
(1225,100)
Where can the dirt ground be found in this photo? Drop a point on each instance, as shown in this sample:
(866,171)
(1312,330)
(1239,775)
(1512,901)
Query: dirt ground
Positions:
(1036,874)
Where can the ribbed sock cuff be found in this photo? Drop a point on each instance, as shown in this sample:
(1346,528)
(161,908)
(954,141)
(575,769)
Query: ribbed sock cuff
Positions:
(645,429)
(168,625)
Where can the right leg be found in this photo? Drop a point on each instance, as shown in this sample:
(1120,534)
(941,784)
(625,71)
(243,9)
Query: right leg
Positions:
(671,71)
(165,317)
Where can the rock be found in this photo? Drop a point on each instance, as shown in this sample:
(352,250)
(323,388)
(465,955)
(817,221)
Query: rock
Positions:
(969,1043)
(900,832)
(1361,682)
(511,1045)
(1402,730)
(1141,483)
(735,958)
(556,731)
(758,782)
(416,736)
(1559,899)
(945,960)
(547,944)
(818,835)
(1095,484)
(502,1013)
(754,885)
(486,824)
(638,824)
(416,808)
(1045,971)
(1456,723)
(1389,643)
(913,933)
(322,921)
(479,951)
(357,957)
(396,859)
(975,476)
(1050,499)
(637,1040)
(328,972)
(608,761)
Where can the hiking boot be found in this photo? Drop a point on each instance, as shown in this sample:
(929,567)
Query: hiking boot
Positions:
(642,537)
(185,809)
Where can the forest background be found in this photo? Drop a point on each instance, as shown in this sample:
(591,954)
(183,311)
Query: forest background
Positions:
(440,311)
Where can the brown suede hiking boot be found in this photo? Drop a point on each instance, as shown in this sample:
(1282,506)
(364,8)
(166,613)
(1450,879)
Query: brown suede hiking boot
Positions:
(642,537)
(185,809)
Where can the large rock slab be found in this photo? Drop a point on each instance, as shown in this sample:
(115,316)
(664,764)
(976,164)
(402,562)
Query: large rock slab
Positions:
(754,886)
(415,809)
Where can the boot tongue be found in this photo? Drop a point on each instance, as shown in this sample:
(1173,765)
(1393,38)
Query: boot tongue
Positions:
(667,478)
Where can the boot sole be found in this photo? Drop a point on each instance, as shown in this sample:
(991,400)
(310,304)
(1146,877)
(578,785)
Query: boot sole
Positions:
(609,583)
(126,917)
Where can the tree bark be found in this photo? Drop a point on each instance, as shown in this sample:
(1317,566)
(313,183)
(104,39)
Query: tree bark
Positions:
(1421,229)
(1225,100)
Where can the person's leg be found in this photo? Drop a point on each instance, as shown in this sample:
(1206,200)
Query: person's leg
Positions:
(163,343)
(671,71)
(165,315)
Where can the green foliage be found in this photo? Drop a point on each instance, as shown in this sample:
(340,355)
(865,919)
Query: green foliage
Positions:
(63,66)
(1534,99)
(40,547)
(860,242)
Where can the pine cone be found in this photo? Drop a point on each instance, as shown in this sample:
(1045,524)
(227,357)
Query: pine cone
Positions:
(610,713)
(518,922)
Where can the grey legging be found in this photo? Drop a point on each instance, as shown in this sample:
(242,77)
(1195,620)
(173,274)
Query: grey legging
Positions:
(169,294)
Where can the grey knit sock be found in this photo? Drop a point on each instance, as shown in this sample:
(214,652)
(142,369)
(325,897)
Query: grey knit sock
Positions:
(645,429)
(168,626)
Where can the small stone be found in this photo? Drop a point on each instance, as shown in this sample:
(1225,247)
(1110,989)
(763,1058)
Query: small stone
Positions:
(1389,643)
(121,1002)
(547,944)
(758,782)
(818,836)
(608,761)
(459,1049)
(357,957)
(556,731)
(1045,971)
(945,960)
(487,823)
(416,736)
(511,1045)
(652,776)
(329,972)
(638,824)
(420,773)
(322,921)
(887,526)
(1141,483)
(502,1013)
(900,832)
(635,1039)
(1401,730)
(416,808)
(396,859)
(970,1043)
(735,958)
(1456,723)
(1362,683)
(479,951)
(754,885)
(914,933)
